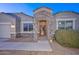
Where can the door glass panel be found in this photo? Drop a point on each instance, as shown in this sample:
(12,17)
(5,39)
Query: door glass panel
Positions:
(42,27)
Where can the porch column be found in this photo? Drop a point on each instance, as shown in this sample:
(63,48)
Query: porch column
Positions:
(35,30)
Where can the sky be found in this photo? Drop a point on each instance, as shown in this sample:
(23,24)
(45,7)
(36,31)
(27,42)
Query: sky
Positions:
(28,8)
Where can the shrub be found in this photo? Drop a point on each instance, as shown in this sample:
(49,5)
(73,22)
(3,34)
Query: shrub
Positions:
(68,38)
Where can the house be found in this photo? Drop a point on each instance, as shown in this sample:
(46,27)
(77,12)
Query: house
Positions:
(42,24)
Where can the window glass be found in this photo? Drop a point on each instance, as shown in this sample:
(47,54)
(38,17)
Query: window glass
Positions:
(65,25)
(61,24)
(25,27)
(28,26)
(69,24)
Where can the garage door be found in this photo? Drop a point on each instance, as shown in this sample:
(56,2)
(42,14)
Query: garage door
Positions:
(4,30)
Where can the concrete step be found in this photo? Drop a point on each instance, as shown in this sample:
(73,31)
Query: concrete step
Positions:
(43,38)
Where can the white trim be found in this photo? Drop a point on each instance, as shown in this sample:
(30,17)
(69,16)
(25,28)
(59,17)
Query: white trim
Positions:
(72,19)
(27,22)
(56,25)
(28,32)
(74,24)
(58,19)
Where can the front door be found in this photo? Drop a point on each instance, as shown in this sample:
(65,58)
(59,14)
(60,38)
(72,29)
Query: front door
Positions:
(42,28)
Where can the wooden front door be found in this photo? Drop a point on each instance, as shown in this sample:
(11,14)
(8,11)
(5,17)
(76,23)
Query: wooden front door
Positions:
(42,28)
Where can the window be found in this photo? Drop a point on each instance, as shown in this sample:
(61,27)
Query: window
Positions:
(25,26)
(65,24)
(61,24)
(69,24)
(28,26)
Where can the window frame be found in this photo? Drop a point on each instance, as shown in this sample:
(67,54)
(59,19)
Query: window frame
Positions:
(65,19)
(22,27)
(64,24)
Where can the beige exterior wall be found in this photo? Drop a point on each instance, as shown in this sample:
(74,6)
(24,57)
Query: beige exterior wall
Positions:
(24,19)
(8,19)
(39,14)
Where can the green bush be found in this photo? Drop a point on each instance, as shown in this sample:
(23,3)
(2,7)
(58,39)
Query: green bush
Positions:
(68,38)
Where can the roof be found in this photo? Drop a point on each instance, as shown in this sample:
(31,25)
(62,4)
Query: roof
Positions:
(12,14)
(66,12)
(21,13)
(15,14)
(42,7)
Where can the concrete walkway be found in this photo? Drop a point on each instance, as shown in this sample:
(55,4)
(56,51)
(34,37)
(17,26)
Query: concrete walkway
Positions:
(29,46)
(42,47)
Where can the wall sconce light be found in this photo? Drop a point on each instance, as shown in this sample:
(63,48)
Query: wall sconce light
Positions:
(12,26)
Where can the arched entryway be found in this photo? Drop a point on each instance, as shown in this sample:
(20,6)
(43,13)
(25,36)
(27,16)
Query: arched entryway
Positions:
(42,24)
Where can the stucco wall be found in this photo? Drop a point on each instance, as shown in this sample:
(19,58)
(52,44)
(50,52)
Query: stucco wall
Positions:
(22,19)
(4,18)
